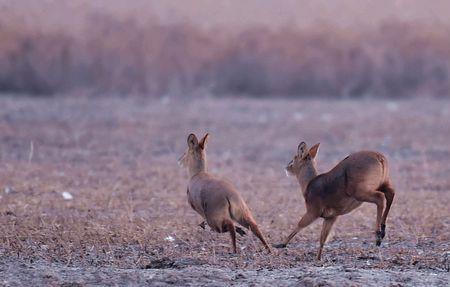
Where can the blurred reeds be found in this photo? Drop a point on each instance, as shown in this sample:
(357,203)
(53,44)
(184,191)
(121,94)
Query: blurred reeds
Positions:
(117,56)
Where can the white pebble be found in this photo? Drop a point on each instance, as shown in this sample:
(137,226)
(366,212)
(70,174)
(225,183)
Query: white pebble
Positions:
(67,196)
(8,189)
(169,238)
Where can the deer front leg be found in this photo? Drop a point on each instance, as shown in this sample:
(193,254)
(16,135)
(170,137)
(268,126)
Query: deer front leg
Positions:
(326,227)
(306,220)
(229,226)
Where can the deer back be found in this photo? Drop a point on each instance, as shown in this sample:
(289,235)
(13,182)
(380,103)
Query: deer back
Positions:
(362,170)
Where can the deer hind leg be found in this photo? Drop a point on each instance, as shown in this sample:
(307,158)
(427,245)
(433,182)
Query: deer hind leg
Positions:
(306,220)
(228,225)
(249,222)
(378,199)
(389,193)
(255,229)
(326,227)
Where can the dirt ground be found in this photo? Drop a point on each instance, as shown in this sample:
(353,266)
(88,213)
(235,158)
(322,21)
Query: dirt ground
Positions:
(91,193)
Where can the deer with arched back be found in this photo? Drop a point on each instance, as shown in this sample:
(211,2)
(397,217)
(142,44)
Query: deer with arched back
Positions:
(215,199)
(360,177)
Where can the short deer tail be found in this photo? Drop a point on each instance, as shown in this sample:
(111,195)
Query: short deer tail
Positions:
(236,212)
(385,167)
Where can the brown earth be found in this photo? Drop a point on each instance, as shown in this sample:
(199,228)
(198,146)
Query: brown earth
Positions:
(129,223)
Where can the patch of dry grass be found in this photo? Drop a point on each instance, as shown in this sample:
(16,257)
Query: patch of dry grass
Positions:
(117,158)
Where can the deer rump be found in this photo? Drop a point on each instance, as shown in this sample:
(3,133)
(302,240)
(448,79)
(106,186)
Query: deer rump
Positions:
(218,203)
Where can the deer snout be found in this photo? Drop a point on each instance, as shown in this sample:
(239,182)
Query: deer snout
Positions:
(181,160)
(289,169)
(288,174)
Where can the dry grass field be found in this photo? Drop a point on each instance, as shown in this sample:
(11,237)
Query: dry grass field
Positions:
(91,193)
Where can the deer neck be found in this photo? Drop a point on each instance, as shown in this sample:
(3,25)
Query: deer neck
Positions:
(306,174)
(197,167)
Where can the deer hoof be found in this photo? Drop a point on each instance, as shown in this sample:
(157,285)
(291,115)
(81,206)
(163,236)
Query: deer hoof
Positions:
(279,245)
(383,230)
(379,236)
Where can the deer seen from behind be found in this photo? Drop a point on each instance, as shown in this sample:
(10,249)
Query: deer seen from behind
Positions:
(360,177)
(216,200)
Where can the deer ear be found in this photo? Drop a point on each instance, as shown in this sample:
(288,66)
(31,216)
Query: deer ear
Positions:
(302,149)
(202,143)
(192,141)
(313,151)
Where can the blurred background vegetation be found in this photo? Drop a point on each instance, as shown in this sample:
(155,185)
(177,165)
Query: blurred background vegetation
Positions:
(395,49)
